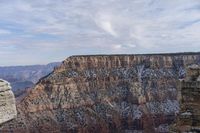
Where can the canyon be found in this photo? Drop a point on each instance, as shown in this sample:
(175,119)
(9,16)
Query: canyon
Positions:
(105,93)
(24,77)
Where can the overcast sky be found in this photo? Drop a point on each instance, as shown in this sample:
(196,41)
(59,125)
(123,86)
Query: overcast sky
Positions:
(42,31)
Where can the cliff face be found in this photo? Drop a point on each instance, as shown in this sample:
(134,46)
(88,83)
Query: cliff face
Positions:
(189,118)
(7,103)
(116,93)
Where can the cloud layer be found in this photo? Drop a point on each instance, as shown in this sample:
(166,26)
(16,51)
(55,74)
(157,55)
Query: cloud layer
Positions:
(41,31)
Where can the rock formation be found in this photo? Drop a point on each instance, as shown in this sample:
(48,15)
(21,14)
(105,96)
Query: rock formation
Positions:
(7,102)
(189,117)
(105,93)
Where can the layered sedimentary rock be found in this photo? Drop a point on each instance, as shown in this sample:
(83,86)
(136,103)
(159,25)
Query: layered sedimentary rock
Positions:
(7,102)
(189,116)
(105,93)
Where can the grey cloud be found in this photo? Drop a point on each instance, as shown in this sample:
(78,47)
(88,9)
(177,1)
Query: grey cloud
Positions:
(98,26)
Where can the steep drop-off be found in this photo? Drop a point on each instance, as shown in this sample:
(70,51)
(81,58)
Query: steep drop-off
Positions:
(105,93)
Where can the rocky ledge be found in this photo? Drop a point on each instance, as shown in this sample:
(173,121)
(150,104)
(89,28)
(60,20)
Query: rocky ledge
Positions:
(7,102)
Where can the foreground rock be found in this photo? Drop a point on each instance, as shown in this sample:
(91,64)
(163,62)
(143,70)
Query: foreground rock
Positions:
(116,93)
(7,102)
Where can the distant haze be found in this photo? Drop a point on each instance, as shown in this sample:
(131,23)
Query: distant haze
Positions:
(42,31)
(22,77)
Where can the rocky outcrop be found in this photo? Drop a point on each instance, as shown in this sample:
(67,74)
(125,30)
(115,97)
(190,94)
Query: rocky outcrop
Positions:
(105,93)
(7,102)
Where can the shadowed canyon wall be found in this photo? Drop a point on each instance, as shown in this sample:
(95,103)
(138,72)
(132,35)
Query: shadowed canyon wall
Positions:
(188,119)
(105,93)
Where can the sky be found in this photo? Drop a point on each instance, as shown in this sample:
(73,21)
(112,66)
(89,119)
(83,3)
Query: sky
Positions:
(43,31)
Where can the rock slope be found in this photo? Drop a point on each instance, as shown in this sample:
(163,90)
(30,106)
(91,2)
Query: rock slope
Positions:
(7,102)
(105,93)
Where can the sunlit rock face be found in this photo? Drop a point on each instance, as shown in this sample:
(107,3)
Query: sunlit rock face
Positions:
(105,93)
(7,102)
